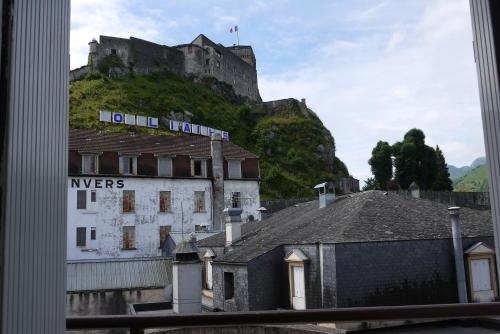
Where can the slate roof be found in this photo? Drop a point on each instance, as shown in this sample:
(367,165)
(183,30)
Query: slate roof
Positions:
(193,145)
(362,217)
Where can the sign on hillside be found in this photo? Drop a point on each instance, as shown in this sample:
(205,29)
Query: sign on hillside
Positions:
(152,122)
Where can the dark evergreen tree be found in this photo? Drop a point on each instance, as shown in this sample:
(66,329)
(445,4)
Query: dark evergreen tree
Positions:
(414,161)
(381,164)
(442,181)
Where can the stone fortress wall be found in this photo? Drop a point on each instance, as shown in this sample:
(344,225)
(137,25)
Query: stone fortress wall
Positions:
(201,58)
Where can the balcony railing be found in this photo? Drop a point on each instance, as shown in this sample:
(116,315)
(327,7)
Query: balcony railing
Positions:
(137,323)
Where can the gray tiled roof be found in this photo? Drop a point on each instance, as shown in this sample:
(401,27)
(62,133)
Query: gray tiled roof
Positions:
(365,217)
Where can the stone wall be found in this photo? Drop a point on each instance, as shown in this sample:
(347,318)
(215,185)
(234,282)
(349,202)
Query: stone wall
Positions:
(111,302)
(240,300)
(473,200)
(280,204)
(150,57)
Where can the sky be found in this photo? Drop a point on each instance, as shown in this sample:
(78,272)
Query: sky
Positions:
(370,69)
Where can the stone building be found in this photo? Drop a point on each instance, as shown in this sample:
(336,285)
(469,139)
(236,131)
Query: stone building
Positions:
(135,195)
(365,249)
(201,58)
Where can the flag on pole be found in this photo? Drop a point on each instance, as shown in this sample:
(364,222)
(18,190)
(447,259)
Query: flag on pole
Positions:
(233,29)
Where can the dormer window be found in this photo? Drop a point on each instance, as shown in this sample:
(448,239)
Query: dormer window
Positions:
(90,164)
(164,166)
(234,169)
(199,167)
(128,165)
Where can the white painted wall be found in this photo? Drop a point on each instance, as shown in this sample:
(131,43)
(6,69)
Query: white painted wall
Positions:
(250,196)
(106,213)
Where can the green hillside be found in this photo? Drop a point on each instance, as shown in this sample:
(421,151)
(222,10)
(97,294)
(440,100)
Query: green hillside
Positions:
(474,180)
(295,149)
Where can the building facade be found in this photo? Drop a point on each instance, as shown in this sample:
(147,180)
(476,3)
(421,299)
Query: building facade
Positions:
(201,58)
(138,195)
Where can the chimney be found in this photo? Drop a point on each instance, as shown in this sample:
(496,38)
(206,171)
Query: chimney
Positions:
(233,225)
(326,192)
(217,181)
(186,278)
(414,190)
(263,212)
(459,256)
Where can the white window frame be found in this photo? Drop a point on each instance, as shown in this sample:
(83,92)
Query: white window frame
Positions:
(230,171)
(170,161)
(96,162)
(122,165)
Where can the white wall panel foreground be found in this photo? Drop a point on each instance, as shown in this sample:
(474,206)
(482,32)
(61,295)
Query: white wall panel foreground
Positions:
(486,29)
(34,130)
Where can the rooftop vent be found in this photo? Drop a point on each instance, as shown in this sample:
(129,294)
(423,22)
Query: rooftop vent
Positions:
(326,192)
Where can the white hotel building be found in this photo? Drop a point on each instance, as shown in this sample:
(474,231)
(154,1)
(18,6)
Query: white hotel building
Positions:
(135,195)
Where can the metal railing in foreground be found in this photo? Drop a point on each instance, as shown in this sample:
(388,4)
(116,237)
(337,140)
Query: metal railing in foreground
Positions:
(136,323)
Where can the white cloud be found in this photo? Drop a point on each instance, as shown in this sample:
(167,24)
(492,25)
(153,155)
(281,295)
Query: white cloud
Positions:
(91,18)
(421,76)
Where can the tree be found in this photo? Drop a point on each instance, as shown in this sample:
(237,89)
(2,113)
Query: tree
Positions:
(414,161)
(370,184)
(381,163)
(442,180)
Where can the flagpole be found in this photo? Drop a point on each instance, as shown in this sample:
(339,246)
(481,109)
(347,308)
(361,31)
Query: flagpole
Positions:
(238,37)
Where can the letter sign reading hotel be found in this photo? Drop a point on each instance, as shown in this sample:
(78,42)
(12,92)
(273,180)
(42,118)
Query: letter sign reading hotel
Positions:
(152,122)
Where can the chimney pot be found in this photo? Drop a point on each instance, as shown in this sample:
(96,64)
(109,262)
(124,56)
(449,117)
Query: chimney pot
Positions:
(233,225)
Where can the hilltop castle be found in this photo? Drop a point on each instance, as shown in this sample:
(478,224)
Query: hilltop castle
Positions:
(234,65)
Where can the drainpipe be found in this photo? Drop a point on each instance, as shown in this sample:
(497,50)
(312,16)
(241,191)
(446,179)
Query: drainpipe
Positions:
(459,257)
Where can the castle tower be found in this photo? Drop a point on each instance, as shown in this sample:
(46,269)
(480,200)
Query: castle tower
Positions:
(93,44)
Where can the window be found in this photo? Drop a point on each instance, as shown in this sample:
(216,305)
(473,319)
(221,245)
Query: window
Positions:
(128,165)
(164,166)
(236,200)
(234,169)
(165,200)
(92,233)
(164,233)
(81,199)
(113,51)
(207,61)
(200,228)
(217,63)
(228,286)
(199,201)
(198,168)
(128,237)
(128,201)
(81,237)
(92,195)
(89,164)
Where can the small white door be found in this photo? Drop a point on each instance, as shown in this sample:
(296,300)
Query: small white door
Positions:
(482,290)
(209,275)
(298,289)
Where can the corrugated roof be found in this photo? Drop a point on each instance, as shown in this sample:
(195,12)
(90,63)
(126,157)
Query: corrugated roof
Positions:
(363,217)
(193,145)
(140,273)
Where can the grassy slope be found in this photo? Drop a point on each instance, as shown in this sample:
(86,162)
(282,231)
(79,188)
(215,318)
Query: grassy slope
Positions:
(474,180)
(285,144)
